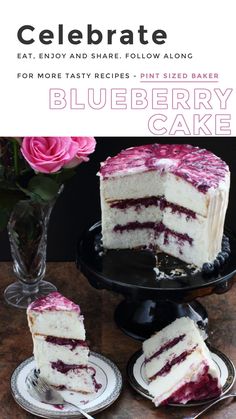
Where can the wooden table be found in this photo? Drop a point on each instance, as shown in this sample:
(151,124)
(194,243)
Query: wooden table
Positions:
(106,338)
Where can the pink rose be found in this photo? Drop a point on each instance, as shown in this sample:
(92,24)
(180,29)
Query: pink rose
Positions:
(86,146)
(49,154)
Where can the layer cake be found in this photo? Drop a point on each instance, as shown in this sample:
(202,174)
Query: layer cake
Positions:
(60,349)
(178,365)
(172,198)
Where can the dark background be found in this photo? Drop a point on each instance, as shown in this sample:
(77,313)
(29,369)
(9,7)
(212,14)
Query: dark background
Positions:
(79,205)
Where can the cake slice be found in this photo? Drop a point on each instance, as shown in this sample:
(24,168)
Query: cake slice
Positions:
(178,365)
(60,350)
(168,197)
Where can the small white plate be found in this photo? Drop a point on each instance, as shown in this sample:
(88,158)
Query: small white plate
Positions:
(107,374)
(137,379)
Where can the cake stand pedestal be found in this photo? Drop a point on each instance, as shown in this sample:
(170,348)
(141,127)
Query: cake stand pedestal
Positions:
(141,318)
(157,290)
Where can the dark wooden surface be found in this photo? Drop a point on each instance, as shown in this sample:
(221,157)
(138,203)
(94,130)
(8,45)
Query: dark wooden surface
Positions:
(106,338)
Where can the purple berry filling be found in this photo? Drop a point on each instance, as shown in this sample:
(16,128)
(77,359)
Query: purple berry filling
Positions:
(165,347)
(73,343)
(59,406)
(65,368)
(97,386)
(157,227)
(158,201)
(204,387)
(177,360)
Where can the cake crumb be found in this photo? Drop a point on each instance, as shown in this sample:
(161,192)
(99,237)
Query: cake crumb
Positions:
(177,272)
(193,268)
(160,274)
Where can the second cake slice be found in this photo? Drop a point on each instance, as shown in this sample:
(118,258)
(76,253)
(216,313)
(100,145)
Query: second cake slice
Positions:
(60,349)
(178,365)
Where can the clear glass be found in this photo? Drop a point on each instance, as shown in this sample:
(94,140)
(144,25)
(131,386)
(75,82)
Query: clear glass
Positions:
(27,230)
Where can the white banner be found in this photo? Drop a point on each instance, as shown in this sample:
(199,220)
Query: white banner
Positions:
(124,68)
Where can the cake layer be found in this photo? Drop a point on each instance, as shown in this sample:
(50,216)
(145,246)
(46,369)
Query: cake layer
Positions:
(181,326)
(176,190)
(114,216)
(158,363)
(55,315)
(152,184)
(78,378)
(173,243)
(178,364)
(63,324)
(69,351)
(142,210)
(133,186)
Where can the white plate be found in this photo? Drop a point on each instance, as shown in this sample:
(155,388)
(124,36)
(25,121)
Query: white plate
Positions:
(137,379)
(107,374)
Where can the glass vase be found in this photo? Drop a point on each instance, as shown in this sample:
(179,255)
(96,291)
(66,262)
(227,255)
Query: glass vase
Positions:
(27,231)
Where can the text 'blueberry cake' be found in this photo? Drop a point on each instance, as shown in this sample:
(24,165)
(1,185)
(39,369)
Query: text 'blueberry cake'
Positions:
(171,198)
(178,365)
(60,349)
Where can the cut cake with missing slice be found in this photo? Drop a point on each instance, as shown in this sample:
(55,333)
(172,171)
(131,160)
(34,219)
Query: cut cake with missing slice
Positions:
(170,197)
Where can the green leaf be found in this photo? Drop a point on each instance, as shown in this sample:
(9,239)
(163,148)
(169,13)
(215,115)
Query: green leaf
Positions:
(43,186)
(30,195)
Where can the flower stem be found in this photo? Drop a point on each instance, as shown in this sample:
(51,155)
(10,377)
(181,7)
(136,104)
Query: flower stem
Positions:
(16,158)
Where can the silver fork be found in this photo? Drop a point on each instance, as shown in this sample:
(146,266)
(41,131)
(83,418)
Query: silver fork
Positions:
(226,396)
(40,390)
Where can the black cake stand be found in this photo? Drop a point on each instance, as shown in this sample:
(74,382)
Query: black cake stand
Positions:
(157,290)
